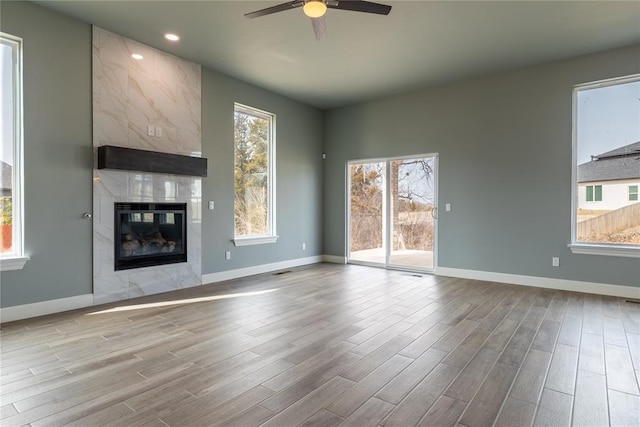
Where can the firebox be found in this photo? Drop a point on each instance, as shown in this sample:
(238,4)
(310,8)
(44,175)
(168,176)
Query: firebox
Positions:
(148,234)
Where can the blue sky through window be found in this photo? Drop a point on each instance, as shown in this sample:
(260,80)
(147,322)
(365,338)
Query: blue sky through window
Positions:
(607,118)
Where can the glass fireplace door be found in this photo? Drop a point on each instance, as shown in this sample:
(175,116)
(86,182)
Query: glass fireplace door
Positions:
(148,234)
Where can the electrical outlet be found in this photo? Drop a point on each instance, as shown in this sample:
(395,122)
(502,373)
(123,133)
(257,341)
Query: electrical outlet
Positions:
(212,205)
(555,261)
(158,132)
(227,255)
(304,246)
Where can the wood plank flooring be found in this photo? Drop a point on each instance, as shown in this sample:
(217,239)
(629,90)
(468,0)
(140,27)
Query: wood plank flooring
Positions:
(329,345)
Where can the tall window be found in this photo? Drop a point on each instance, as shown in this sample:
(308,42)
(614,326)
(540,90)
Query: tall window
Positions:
(607,167)
(254,166)
(11,248)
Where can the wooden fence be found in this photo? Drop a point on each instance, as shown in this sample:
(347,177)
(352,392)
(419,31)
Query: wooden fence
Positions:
(610,223)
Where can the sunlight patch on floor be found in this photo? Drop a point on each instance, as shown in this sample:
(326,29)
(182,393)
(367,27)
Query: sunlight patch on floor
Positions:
(180,301)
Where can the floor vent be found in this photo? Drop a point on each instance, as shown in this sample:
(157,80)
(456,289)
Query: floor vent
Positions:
(412,275)
(633,301)
(281,272)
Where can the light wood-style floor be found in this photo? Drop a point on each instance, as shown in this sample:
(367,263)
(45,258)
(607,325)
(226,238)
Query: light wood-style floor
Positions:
(330,345)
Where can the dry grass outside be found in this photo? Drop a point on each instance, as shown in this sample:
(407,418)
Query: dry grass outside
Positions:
(620,226)
(367,230)
(629,236)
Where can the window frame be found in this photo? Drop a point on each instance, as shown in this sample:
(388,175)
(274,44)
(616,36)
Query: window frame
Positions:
(271,236)
(603,249)
(594,193)
(16,259)
(589,194)
(597,193)
(631,193)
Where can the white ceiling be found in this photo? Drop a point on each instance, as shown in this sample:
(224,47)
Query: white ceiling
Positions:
(419,44)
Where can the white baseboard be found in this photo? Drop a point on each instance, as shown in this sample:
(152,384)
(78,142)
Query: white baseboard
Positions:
(26,311)
(543,282)
(258,269)
(19,312)
(334,259)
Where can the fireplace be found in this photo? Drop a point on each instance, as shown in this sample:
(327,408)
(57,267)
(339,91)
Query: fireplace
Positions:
(148,234)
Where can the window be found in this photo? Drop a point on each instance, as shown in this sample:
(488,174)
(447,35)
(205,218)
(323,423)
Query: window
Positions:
(254,166)
(606,151)
(594,193)
(11,195)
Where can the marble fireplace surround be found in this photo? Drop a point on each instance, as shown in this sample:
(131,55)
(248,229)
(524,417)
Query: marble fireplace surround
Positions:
(129,95)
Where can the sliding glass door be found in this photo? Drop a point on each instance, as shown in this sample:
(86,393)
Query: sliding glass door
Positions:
(412,212)
(367,212)
(392,212)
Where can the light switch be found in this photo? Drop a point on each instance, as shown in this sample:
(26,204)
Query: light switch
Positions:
(151,130)
(211,205)
(447,207)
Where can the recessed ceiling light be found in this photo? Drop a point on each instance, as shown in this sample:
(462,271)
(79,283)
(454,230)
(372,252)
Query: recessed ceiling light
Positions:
(172,37)
(137,56)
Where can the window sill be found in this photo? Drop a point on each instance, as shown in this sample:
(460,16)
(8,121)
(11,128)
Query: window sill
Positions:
(605,250)
(13,263)
(259,240)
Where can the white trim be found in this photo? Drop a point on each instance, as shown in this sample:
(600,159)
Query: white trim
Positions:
(334,259)
(256,240)
(606,250)
(26,311)
(608,82)
(543,282)
(13,263)
(17,193)
(258,269)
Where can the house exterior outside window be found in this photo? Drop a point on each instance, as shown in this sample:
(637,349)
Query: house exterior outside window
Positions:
(605,182)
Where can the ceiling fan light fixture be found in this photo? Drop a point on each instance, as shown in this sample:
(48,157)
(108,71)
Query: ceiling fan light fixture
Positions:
(314,8)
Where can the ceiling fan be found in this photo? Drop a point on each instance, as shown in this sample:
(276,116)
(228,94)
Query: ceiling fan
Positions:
(316,9)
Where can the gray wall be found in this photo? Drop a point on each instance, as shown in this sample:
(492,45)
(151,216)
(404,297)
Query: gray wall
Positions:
(58,159)
(504,144)
(298,175)
(505,165)
(58,163)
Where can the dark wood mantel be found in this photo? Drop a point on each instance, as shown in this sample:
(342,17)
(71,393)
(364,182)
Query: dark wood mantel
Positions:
(110,157)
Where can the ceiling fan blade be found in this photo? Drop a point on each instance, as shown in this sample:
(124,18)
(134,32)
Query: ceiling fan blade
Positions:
(319,28)
(360,6)
(277,8)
